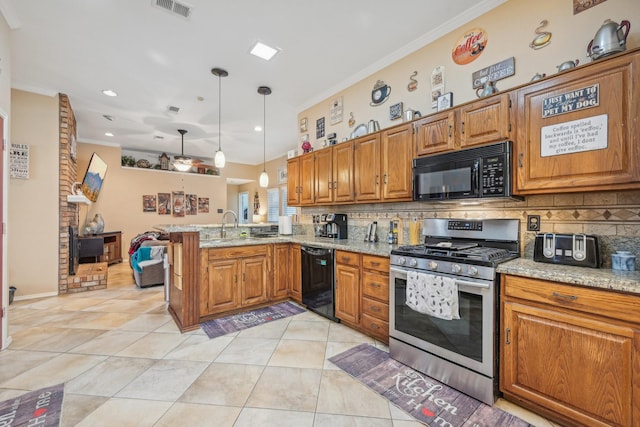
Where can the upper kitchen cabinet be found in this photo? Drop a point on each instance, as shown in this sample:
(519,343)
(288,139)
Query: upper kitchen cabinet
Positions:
(383,165)
(484,121)
(579,130)
(435,133)
(334,174)
(300,180)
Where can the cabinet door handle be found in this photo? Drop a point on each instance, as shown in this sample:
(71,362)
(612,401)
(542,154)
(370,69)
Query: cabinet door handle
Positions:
(235,278)
(377,179)
(450,131)
(462,129)
(520,157)
(244,276)
(508,336)
(569,297)
(384,179)
(335,185)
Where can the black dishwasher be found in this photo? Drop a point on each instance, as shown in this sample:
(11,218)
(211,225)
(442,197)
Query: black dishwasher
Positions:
(317,281)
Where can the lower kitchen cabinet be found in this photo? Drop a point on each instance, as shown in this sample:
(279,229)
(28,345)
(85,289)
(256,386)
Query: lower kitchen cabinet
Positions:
(347,287)
(362,293)
(295,282)
(375,297)
(232,277)
(281,270)
(571,353)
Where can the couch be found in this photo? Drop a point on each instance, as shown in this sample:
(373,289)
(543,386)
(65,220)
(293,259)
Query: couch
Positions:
(148,263)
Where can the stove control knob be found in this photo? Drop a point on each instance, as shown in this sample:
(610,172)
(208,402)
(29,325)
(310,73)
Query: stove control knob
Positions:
(433,265)
(402,261)
(456,268)
(413,262)
(473,271)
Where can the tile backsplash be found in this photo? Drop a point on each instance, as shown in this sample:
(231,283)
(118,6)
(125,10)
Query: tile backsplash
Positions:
(614,217)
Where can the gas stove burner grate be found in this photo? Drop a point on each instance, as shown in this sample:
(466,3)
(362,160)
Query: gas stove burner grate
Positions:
(482,253)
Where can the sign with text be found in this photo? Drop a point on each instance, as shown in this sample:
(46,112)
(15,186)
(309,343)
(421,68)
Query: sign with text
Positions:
(495,72)
(576,136)
(568,102)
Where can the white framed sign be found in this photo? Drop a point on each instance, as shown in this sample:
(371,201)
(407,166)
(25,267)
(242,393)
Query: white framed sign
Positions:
(19,161)
(576,136)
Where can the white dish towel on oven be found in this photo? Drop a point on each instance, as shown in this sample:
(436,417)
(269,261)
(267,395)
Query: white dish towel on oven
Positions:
(432,295)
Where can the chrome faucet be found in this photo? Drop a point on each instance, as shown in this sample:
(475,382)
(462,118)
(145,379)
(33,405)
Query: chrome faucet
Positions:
(223,234)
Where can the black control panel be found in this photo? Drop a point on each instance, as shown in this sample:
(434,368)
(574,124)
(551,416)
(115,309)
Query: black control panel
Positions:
(465,225)
(493,175)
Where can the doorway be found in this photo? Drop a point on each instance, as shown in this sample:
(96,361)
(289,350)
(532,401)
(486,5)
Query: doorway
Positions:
(243,207)
(3,282)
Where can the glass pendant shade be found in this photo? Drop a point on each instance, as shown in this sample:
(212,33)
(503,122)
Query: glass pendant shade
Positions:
(182,166)
(219,160)
(264,179)
(182,163)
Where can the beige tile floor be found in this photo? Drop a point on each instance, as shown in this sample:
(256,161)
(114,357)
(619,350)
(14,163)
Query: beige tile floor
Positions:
(124,363)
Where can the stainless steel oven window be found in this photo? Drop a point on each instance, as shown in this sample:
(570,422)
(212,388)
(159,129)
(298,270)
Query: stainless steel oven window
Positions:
(468,341)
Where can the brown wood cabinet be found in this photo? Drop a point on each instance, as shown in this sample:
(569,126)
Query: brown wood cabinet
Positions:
(484,121)
(300,180)
(435,133)
(570,352)
(233,277)
(383,164)
(295,283)
(375,297)
(334,174)
(347,287)
(570,140)
(281,270)
(112,247)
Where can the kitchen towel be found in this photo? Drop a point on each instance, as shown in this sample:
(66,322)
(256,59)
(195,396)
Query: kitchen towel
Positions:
(432,295)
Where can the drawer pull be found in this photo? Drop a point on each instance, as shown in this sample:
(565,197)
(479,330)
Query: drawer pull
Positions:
(376,285)
(374,326)
(375,264)
(374,308)
(569,297)
(346,259)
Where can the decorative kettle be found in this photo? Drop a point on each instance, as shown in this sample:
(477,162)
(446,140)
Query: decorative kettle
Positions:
(489,88)
(610,38)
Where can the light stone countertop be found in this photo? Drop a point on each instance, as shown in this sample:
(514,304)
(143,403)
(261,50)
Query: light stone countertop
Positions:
(379,248)
(604,278)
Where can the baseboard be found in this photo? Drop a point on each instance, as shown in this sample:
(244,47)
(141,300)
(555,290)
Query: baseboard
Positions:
(34,296)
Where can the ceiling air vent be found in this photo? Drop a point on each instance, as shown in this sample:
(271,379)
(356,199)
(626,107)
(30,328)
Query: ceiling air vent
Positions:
(177,8)
(173,109)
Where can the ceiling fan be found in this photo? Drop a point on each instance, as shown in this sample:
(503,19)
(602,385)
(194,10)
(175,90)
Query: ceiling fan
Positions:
(184,163)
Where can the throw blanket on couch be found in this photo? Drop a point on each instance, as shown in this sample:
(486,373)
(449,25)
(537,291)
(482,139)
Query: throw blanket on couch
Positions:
(146,253)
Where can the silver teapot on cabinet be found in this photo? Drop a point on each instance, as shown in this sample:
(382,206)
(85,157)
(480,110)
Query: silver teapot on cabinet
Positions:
(611,38)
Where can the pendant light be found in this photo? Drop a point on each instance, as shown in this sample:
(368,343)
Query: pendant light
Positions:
(182,163)
(219,160)
(264,177)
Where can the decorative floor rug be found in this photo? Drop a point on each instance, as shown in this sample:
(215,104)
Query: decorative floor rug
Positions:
(40,408)
(237,322)
(427,400)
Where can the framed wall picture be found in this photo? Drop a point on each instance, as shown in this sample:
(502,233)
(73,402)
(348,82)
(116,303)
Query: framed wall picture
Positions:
(178,203)
(282,175)
(320,128)
(303,124)
(149,203)
(191,204)
(445,101)
(203,204)
(164,203)
(395,111)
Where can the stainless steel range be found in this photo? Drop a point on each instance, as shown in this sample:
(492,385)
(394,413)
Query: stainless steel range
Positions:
(444,302)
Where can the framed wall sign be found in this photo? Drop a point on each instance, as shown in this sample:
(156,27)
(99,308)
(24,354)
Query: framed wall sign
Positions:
(445,101)
(395,111)
(320,128)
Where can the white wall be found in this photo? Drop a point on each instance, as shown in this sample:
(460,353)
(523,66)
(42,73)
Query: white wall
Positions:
(33,209)
(5,111)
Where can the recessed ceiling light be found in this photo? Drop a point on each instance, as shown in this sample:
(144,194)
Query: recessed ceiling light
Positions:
(108,134)
(258,128)
(263,51)
(109,92)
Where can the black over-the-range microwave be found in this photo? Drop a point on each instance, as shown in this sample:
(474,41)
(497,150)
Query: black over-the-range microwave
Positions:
(473,173)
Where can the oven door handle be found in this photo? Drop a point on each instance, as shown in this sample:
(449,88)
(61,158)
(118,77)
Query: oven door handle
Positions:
(473,284)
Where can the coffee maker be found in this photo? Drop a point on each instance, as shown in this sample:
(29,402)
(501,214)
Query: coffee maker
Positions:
(336,225)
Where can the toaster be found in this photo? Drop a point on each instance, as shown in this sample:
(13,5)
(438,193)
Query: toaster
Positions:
(569,249)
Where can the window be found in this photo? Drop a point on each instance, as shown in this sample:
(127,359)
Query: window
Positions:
(286,209)
(273,205)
